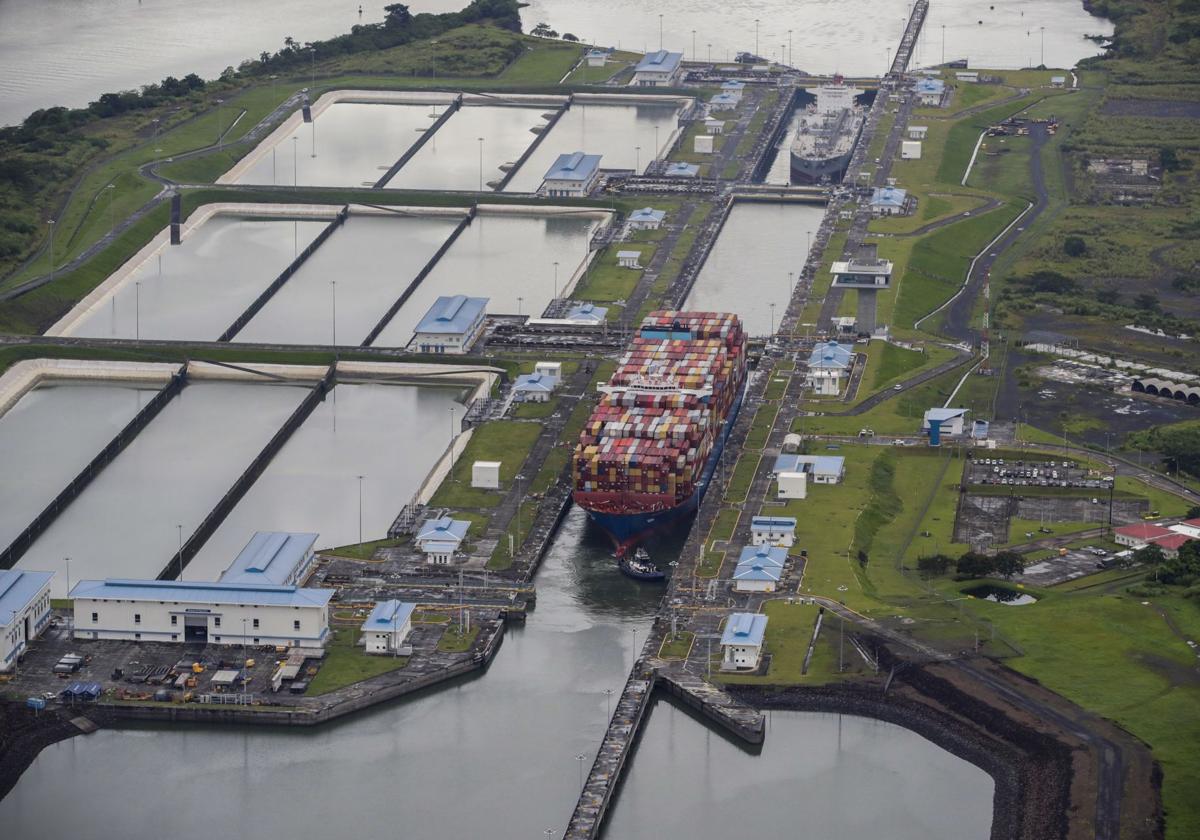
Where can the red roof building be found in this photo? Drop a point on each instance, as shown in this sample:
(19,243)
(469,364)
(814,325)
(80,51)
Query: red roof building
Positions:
(1139,534)
(1171,543)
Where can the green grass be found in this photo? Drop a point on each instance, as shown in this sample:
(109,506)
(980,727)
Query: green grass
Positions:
(453,641)
(535,410)
(743,477)
(506,441)
(362,551)
(677,646)
(345,663)
(607,282)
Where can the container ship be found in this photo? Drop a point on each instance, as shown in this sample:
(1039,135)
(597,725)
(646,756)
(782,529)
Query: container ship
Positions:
(826,132)
(649,450)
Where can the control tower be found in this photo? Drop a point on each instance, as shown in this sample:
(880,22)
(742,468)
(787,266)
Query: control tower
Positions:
(868,274)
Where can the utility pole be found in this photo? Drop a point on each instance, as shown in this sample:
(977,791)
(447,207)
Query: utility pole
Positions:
(841,642)
(756,37)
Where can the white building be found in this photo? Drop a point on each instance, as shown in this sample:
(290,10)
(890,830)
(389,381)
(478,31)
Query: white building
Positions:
(201,613)
(441,538)
(865,270)
(773,530)
(387,627)
(723,102)
(952,420)
(1188,527)
(486,475)
(792,485)
(712,125)
(742,641)
(734,88)
(548,369)
(629,259)
(893,201)
(759,568)
(829,367)
(646,219)
(597,58)
(679,169)
(24,612)
(451,325)
(274,557)
(534,387)
(588,313)
(822,469)
(930,91)
(703,144)
(917,132)
(910,150)
(572,176)
(968,76)
(1058,81)
(658,69)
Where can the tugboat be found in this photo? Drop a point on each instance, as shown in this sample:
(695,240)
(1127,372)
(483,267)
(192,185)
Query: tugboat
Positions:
(639,567)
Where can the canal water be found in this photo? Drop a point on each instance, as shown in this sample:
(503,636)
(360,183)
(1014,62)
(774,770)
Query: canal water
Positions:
(496,756)
(51,434)
(502,258)
(67,52)
(454,159)
(312,484)
(348,283)
(205,283)
(349,144)
(818,775)
(615,132)
(748,267)
(173,473)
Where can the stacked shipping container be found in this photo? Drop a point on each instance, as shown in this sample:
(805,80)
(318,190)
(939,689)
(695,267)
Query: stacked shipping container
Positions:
(645,447)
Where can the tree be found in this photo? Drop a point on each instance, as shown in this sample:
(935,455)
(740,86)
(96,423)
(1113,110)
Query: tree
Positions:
(1146,300)
(1193,512)
(396,16)
(863,559)
(1149,555)
(1007,563)
(542,30)
(1184,568)
(934,565)
(974,564)
(1169,159)
(1074,246)
(1110,295)
(567,36)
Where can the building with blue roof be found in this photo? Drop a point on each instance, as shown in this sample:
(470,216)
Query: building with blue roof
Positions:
(889,201)
(930,91)
(822,469)
(759,568)
(951,420)
(276,557)
(646,219)
(24,612)
(441,538)
(773,530)
(723,102)
(572,175)
(742,641)
(451,325)
(658,69)
(534,387)
(679,169)
(588,313)
(829,366)
(597,57)
(733,87)
(201,613)
(387,627)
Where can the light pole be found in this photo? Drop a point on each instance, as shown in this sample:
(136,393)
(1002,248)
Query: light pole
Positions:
(637,169)
(556,278)
(756,37)
(295,156)
(1042,33)
(520,300)
(791,283)
(451,438)
(112,221)
(693,45)
(633,630)
(772,305)
(360,480)
(660,32)
(244,653)
(581,758)
(333,309)
(709,53)
(790,54)
(657,150)
(220,119)
(608,693)
(137,309)
(481,164)
(50,222)
(68,559)
(519,478)
(943,43)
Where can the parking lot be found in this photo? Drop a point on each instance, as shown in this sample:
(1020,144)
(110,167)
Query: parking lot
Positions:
(1075,563)
(1035,473)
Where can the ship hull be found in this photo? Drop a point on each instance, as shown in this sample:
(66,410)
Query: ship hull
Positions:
(628,529)
(814,170)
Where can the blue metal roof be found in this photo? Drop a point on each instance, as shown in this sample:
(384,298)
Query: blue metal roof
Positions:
(732,84)
(444,529)
(816,464)
(757,571)
(744,629)
(888,197)
(724,100)
(588,312)
(687,170)
(388,615)
(452,314)
(773,523)
(830,354)
(269,557)
(930,86)
(575,166)
(647,214)
(659,61)
(264,595)
(536,382)
(17,589)
(763,555)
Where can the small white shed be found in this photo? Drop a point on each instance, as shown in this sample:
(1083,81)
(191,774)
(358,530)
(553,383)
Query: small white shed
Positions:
(704,144)
(792,485)
(910,150)
(629,259)
(486,475)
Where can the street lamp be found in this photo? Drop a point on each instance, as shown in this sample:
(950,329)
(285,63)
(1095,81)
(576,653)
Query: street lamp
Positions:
(295,156)
(520,300)
(581,758)
(660,32)
(112,222)
(50,222)
(333,309)
(481,164)
(693,45)
(360,480)
(790,54)
(772,305)
(756,37)
(608,693)
(452,438)
(220,119)
(637,168)
(1042,32)
(556,278)
(943,43)
(137,309)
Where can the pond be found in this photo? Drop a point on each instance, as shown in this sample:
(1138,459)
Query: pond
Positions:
(1001,595)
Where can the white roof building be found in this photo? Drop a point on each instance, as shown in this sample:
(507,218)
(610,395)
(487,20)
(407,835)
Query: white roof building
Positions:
(486,475)
(629,259)
(773,530)
(658,69)
(647,219)
(679,169)
(952,420)
(441,538)
(588,313)
(824,469)
(534,387)
(275,557)
(24,612)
